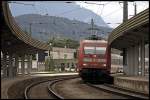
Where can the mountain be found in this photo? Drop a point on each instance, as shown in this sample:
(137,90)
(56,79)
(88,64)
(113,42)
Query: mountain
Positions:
(44,27)
(57,8)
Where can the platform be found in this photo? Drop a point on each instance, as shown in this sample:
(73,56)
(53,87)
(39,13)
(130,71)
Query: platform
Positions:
(135,83)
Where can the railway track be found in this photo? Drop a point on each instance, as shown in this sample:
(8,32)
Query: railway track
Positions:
(72,87)
(120,91)
(110,89)
(33,91)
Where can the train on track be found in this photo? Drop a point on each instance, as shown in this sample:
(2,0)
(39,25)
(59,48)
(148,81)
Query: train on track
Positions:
(94,61)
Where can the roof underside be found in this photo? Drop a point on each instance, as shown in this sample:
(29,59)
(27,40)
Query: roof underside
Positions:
(13,38)
(131,32)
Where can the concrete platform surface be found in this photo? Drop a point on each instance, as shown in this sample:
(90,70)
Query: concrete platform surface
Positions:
(135,83)
(52,74)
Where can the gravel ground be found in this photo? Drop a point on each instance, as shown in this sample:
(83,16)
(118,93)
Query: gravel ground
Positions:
(76,89)
(16,90)
(6,83)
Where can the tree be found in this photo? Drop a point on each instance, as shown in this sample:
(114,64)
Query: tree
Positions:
(94,37)
(64,42)
(75,54)
(34,56)
(49,63)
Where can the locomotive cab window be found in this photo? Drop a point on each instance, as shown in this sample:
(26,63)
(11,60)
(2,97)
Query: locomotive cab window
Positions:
(89,50)
(94,50)
(100,50)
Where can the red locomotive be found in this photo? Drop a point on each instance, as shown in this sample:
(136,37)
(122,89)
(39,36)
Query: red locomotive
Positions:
(94,61)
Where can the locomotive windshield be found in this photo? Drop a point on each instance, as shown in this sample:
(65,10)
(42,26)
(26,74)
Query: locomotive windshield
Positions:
(94,50)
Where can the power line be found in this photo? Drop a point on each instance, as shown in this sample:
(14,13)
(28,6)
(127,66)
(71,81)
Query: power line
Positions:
(113,23)
(120,4)
(45,10)
(93,3)
(96,13)
(69,11)
(20,3)
(112,12)
(36,9)
(101,9)
(80,8)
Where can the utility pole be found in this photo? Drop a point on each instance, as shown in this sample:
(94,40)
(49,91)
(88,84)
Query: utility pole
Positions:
(135,10)
(30,29)
(125,18)
(125,11)
(92,23)
(92,27)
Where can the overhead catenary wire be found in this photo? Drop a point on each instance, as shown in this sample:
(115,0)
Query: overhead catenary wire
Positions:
(46,11)
(72,10)
(20,3)
(101,10)
(97,12)
(36,9)
(112,12)
(120,4)
(93,3)
(76,9)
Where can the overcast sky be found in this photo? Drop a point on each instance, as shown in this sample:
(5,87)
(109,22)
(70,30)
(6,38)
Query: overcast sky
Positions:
(111,12)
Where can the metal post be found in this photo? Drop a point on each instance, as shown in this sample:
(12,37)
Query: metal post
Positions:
(136,60)
(132,69)
(92,23)
(135,11)
(143,58)
(5,64)
(38,66)
(30,29)
(50,56)
(124,59)
(28,64)
(30,67)
(125,11)
(16,64)
(128,70)
(23,65)
(10,73)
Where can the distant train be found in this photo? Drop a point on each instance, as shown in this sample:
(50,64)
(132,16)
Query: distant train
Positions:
(94,61)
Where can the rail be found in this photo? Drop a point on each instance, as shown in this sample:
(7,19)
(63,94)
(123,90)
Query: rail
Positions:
(120,91)
(49,87)
(51,90)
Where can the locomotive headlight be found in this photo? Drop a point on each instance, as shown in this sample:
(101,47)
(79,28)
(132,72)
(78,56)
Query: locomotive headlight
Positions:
(104,65)
(84,64)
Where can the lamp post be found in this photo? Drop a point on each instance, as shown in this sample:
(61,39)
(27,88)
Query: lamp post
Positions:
(51,65)
(50,44)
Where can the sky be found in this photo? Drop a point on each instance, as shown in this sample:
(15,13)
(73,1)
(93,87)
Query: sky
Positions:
(110,11)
